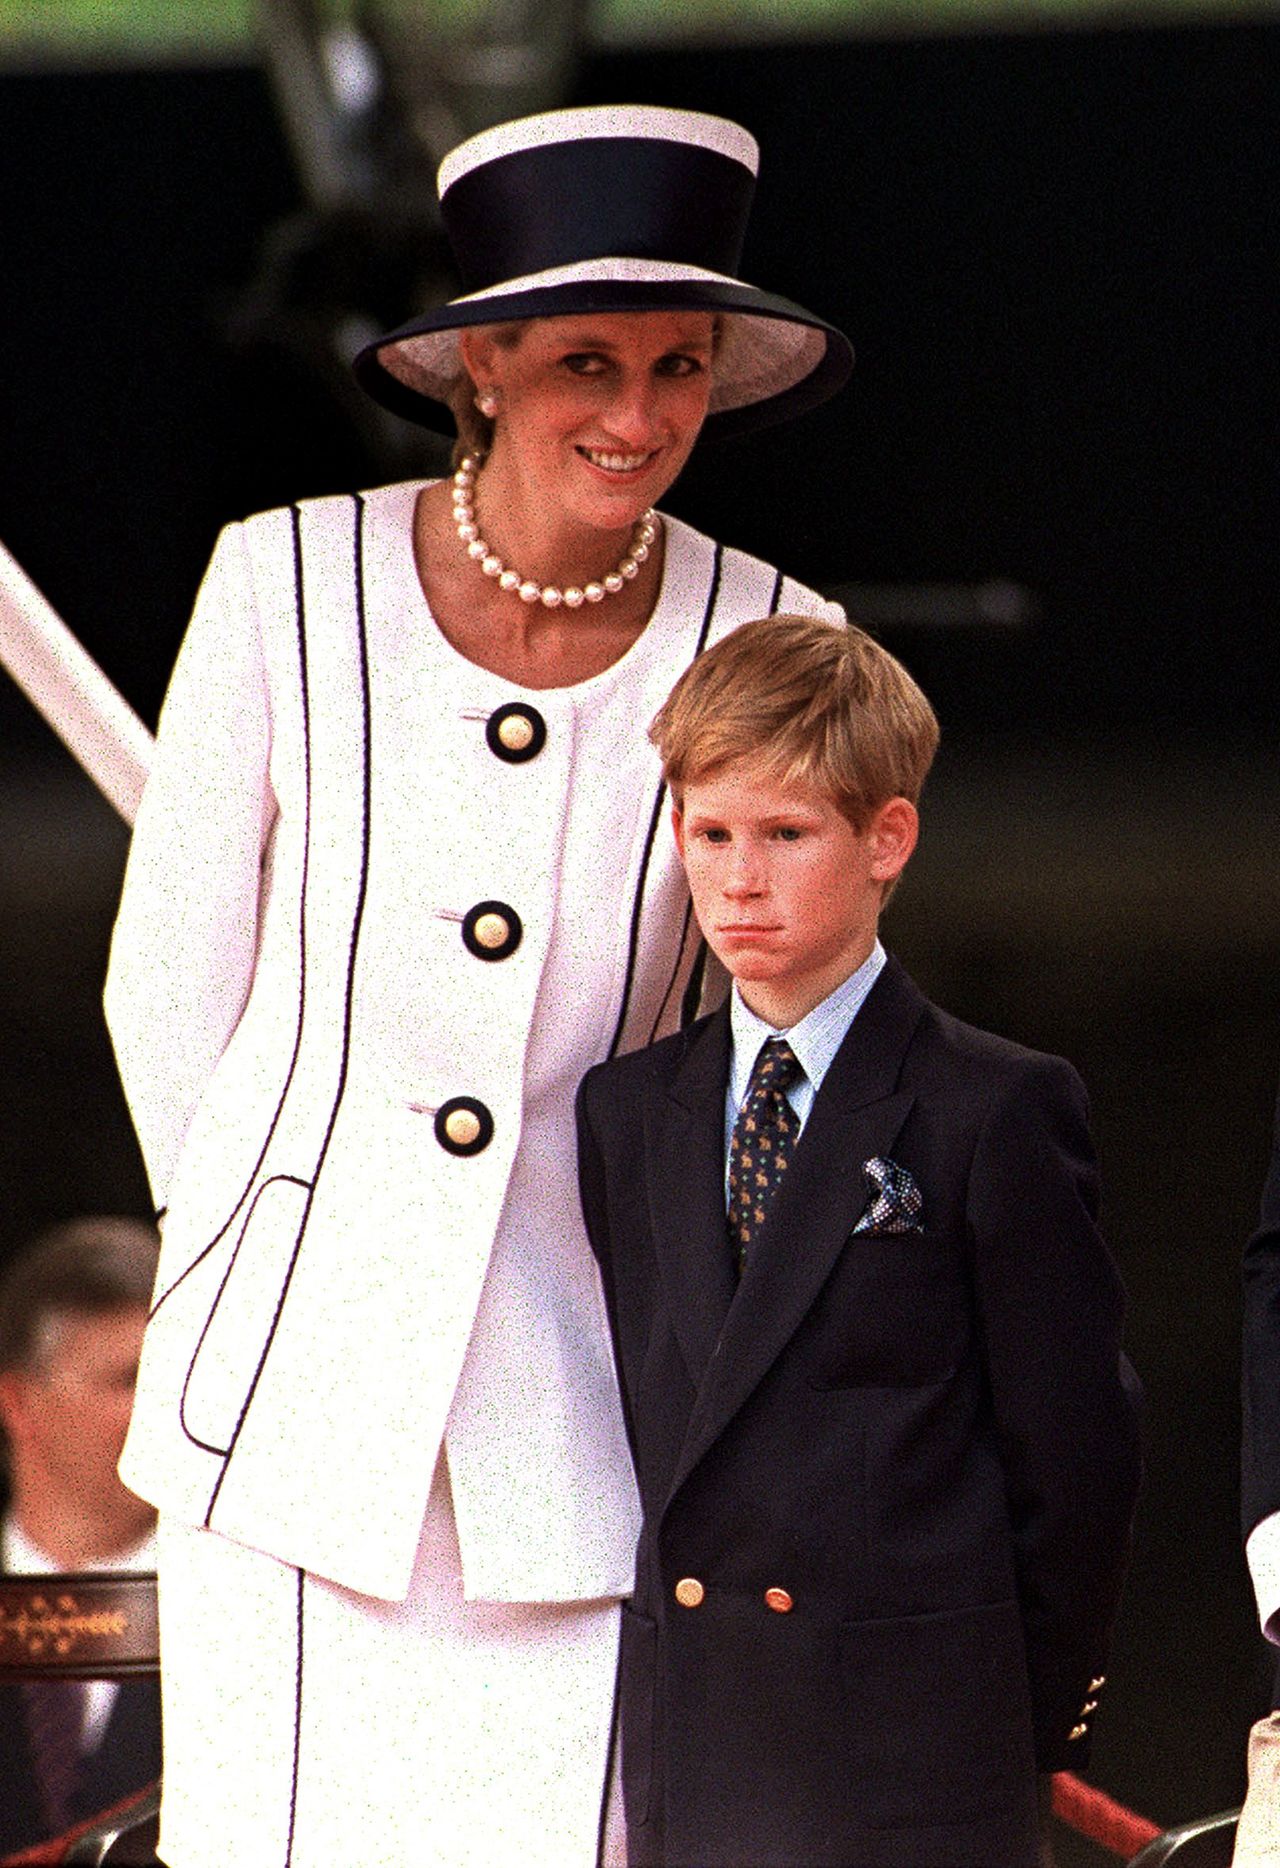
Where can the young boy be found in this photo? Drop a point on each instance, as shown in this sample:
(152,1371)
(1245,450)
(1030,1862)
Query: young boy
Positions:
(885,1438)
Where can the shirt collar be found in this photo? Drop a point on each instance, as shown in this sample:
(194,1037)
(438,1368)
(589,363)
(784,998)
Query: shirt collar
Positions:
(814,1039)
(21,1557)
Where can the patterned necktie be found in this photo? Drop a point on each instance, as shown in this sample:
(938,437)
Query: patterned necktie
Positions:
(55,1725)
(763,1138)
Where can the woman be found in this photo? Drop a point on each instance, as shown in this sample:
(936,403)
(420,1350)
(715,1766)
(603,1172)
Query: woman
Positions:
(400,875)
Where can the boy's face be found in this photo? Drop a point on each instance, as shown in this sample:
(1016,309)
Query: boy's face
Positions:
(786,891)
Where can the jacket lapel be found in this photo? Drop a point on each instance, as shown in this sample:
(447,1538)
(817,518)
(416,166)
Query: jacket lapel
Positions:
(684,1147)
(856,1115)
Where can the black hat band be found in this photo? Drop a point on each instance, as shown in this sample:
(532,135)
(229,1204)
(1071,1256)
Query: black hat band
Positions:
(645,197)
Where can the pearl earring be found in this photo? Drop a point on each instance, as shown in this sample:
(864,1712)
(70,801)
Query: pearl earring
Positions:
(487,403)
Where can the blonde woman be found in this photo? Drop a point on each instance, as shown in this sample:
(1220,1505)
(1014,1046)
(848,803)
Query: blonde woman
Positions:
(401,874)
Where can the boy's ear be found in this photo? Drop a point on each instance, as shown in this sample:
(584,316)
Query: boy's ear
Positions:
(892,833)
(677,828)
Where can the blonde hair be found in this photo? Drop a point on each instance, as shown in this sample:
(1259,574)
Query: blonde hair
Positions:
(817,703)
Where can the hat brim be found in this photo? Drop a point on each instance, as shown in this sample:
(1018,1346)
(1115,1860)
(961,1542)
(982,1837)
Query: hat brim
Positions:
(774,360)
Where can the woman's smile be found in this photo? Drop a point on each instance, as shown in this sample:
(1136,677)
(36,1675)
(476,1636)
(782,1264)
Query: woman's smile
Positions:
(616,463)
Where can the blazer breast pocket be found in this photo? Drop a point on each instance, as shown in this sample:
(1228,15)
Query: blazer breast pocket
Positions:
(893,1313)
(233,1343)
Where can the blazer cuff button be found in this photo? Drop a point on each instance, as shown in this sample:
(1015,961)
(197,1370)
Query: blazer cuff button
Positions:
(463,1126)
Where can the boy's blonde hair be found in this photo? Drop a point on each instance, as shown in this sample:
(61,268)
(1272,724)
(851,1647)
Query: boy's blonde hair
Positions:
(819,704)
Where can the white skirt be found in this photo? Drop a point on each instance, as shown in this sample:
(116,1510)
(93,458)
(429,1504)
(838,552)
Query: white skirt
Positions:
(306,1725)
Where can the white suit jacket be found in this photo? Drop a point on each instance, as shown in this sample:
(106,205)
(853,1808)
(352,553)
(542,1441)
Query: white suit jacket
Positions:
(298,998)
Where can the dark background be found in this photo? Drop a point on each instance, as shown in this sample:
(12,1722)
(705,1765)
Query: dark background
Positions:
(1056,255)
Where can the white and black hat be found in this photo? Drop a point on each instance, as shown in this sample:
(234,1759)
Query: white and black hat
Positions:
(611,208)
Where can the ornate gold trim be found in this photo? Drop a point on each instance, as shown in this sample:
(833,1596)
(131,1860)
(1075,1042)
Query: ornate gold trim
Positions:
(92,1625)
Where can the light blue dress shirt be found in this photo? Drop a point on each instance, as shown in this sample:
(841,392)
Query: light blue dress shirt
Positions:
(814,1039)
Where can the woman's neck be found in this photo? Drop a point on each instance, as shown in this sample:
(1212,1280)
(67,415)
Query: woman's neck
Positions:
(538,538)
(526,643)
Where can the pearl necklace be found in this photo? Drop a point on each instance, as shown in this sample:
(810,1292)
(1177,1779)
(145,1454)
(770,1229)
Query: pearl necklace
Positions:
(550,595)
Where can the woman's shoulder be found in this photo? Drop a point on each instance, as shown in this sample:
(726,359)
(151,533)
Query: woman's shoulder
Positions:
(277,539)
(737,567)
(392,499)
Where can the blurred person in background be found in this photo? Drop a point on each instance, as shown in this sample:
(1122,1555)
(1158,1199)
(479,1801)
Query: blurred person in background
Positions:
(73,1307)
(1258,1833)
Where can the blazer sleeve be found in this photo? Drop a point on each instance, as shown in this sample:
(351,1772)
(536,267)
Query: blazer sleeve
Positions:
(593,1190)
(1065,1401)
(183,948)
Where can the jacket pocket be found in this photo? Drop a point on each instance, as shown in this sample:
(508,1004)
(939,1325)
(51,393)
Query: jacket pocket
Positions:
(233,1342)
(893,1314)
(637,1678)
(939,1716)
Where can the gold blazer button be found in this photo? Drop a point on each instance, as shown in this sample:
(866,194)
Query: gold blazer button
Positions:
(690,1592)
(779,1600)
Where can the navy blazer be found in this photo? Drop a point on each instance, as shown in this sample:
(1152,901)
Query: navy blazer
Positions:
(893,1473)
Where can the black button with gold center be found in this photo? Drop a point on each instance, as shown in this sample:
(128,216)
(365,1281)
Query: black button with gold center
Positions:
(491,931)
(463,1126)
(516,733)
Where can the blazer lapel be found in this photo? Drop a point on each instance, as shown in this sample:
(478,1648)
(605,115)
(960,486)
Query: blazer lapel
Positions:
(856,1115)
(684,1147)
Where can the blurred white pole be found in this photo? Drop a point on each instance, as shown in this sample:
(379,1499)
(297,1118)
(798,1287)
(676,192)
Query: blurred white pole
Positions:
(62,682)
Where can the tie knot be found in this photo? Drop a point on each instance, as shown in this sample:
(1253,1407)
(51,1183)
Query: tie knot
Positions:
(776,1067)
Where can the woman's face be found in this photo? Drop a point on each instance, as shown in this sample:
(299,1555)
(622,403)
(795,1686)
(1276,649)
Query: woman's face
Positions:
(596,414)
